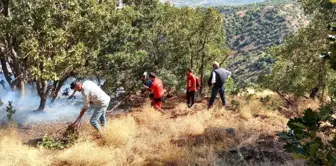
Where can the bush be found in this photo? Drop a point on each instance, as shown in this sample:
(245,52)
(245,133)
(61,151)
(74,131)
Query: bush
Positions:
(10,111)
(230,87)
(68,138)
(312,137)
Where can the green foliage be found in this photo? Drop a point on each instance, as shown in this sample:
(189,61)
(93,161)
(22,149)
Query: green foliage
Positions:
(49,142)
(248,98)
(1,103)
(298,67)
(252,29)
(235,104)
(53,40)
(69,138)
(230,87)
(265,100)
(304,139)
(163,39)
(10,111)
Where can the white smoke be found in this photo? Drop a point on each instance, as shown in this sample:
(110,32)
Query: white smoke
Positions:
(62,110)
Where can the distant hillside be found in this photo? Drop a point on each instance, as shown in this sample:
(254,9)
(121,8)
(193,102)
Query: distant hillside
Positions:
(255,27)
(203,3)
(251,29)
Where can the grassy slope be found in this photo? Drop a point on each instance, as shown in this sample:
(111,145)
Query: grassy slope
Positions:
(145,137)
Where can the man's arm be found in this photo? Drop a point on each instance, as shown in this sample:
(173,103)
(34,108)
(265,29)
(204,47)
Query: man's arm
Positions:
(86,103)
(72,95)
(193,83)
(213,81)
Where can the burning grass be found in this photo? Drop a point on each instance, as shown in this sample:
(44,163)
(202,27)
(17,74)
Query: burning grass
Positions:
(148,137)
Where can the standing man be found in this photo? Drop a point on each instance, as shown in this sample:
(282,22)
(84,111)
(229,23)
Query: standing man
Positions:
(216,82)
(191,88)
(158,91)
(93,94)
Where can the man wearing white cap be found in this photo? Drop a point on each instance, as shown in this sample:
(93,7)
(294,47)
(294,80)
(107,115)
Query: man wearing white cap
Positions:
(216,82)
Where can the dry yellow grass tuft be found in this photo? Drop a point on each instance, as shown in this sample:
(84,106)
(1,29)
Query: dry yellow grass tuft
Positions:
(148,116)
(304,104)
(118,132)
(190,125)
(86,154)
(14,153)
(246,113)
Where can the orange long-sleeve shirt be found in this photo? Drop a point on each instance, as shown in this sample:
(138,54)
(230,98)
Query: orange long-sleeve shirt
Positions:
(157,88)
(191,83)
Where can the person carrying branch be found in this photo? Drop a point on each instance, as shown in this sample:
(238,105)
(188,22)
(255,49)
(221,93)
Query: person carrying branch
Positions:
(157,90)
(99,100)
(216,82)
(191,88)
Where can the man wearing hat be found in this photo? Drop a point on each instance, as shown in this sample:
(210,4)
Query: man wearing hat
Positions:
(99,100)
(158,91)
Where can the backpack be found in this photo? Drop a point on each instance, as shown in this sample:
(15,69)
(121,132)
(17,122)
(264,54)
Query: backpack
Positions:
(198,83)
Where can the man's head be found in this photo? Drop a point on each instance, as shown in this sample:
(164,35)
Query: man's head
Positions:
(215,65)
(189,71)
(144,76)
(152,76)
(76,86)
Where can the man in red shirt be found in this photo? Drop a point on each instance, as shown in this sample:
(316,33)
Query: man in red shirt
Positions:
(191,88)
(158,91)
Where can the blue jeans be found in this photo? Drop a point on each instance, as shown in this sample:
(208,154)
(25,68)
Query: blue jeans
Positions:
(99,113)
(214,92)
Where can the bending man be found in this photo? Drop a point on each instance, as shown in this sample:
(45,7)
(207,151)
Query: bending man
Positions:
(93,94)
(157,89)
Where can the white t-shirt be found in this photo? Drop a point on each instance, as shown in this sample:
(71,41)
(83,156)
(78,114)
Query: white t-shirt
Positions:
(93,93)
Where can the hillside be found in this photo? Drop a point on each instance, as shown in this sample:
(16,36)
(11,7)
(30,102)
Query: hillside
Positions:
(194,3)
(143,136)
(251,29)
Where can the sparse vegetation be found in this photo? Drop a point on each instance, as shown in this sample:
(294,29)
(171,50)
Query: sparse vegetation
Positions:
(145,136)
(10,111)
(312,137)
(46,42)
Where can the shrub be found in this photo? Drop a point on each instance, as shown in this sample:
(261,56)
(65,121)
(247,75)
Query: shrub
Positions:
(10,111)
(312,137)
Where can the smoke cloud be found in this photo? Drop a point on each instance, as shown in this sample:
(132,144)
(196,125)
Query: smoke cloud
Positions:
(62,110)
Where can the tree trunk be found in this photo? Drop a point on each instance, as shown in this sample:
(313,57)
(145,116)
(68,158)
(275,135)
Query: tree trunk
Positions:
(5,70)
(191,62)
(41,87)
(202,73)
(58,88)
(22,87)
(42,104)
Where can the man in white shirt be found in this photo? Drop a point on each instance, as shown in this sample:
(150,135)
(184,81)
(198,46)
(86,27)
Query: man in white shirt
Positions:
(94,95)
(216,82)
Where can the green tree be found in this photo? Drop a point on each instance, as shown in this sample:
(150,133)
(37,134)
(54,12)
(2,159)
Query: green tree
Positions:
(56,39)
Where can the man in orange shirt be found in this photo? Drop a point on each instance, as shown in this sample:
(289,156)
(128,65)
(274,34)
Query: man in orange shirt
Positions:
(191,88)
(157,89)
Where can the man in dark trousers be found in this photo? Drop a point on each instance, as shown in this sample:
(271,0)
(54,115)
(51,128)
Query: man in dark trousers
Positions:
(191,88)
(216,82)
